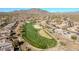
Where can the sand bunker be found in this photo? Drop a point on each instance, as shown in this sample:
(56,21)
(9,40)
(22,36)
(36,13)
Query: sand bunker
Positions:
(37,26)
(44,34)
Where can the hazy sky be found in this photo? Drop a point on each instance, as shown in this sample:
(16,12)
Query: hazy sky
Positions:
(47,9)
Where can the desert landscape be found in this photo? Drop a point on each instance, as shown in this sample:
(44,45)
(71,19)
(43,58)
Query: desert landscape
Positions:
(39,30)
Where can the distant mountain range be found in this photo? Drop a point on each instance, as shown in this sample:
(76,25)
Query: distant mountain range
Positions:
(33,11)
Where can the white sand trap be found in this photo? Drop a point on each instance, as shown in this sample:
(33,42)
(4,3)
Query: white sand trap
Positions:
(44,34)
(37,26)
(27,22)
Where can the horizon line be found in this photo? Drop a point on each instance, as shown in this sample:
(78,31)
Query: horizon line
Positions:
(59,10)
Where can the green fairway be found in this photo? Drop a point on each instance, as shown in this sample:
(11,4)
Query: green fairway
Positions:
(31,35)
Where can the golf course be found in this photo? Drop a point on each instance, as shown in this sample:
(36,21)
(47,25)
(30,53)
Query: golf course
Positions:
(31,35)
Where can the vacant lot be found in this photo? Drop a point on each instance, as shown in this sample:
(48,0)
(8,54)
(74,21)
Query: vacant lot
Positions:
(31,35)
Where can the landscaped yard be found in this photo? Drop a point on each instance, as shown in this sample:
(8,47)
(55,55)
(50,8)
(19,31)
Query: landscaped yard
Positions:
(31,35)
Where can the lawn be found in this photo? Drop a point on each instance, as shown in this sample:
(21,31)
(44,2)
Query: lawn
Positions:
(31,35)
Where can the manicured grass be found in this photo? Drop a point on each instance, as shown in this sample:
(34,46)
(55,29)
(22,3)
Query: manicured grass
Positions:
(31,35)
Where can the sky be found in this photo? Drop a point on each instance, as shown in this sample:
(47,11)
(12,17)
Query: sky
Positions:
(47,9)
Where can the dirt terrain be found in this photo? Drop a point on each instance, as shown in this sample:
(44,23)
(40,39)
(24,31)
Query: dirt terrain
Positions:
(57,24)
